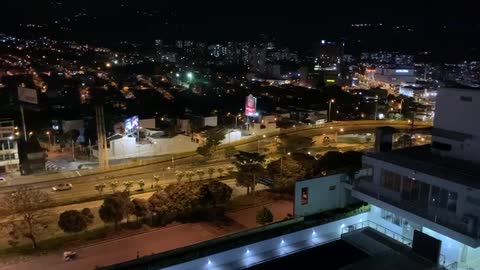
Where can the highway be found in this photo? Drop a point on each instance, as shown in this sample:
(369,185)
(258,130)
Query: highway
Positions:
(83,186)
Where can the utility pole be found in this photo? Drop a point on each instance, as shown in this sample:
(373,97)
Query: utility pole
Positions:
(23,122)
(73,150)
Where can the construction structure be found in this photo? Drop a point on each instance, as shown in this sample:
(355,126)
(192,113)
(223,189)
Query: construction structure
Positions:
(101,138)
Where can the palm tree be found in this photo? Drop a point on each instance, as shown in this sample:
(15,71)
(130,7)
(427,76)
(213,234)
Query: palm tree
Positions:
(128,185)
(179,175)
(200,174)
(141,184)
(189,175)
(220,171)
(156,179)
(210,172)
(113,185)
(99,188)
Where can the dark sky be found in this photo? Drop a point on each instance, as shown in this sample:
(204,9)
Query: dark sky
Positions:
(453,24)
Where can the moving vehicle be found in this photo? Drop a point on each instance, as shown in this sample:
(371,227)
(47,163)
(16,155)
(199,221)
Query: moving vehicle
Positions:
(62,187)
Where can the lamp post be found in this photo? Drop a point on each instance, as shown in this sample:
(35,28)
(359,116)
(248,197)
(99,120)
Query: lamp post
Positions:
(258,142)
(49,141)
(330,109)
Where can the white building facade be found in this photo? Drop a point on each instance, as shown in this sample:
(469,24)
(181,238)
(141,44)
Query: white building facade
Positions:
(9,160)
(434,189)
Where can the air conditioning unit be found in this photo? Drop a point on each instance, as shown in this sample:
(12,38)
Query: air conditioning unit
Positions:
(469,224)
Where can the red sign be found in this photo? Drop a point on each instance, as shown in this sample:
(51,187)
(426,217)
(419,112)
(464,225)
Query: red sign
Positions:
(251,106)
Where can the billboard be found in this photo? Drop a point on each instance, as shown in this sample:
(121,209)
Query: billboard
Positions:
(251,106)
(131,124)
(27,95)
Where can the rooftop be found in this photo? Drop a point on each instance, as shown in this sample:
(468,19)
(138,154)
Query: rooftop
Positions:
(422,159)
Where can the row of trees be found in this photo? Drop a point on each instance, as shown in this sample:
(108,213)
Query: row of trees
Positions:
(176,201)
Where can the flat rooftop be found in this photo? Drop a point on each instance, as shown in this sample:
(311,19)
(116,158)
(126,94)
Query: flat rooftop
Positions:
(384,252)
(321,257)
(422,159)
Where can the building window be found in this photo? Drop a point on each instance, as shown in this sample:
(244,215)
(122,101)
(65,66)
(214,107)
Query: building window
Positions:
(467,99)
(332,187)
(444,199)
(391,180)
(304,195)
(368,172)
(442,146)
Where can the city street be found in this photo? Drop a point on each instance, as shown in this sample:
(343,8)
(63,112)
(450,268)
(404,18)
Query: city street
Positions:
(83,185)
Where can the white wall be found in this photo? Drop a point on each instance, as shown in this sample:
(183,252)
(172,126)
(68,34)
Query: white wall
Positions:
(455,113)
(320,197)
(232,136)
(210,121)
(128,148)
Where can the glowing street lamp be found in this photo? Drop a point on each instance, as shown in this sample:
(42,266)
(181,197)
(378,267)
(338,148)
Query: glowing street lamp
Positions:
(330,109)
(190,76)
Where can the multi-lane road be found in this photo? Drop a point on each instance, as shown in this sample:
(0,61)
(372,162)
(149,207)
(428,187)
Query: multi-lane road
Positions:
(83,186)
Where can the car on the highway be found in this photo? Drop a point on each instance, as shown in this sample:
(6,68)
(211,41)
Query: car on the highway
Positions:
(62,187)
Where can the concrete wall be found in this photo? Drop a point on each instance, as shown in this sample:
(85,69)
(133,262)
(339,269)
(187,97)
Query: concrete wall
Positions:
(128,148)
(324,193)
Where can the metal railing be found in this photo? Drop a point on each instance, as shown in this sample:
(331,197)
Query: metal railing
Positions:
(370,224)
(448,221)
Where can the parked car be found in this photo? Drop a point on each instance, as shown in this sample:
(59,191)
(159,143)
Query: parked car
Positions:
(62,187)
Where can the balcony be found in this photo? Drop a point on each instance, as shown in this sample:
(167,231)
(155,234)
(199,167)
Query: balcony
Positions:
(418,207)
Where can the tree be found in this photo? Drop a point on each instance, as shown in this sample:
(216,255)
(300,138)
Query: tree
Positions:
(128,185)
(88,215)
(189,175)
(113,185)
(220,192)
(140,208)
(210,172)
(100,187)
(249,166)
(288,169)
(179,175)
(220,171)
(115,208)
(205,151)
(156,179)
(294,144)
(141,184)
(26,214)
(200,174)
(215,136)
(264,216)
(72,221)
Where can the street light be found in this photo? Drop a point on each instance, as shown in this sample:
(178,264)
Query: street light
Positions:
(49,141)
(330,109)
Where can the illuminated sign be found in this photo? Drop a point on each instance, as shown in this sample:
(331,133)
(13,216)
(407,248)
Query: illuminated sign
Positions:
(251,106)
(131,124)
(402,71)
(330,81)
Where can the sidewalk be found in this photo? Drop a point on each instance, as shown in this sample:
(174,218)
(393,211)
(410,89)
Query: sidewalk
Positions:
(155,241)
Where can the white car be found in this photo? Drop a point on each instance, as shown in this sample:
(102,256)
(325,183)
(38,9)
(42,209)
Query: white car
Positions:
(62,187)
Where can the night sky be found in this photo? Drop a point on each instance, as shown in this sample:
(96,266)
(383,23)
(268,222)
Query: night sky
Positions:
(452,28)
